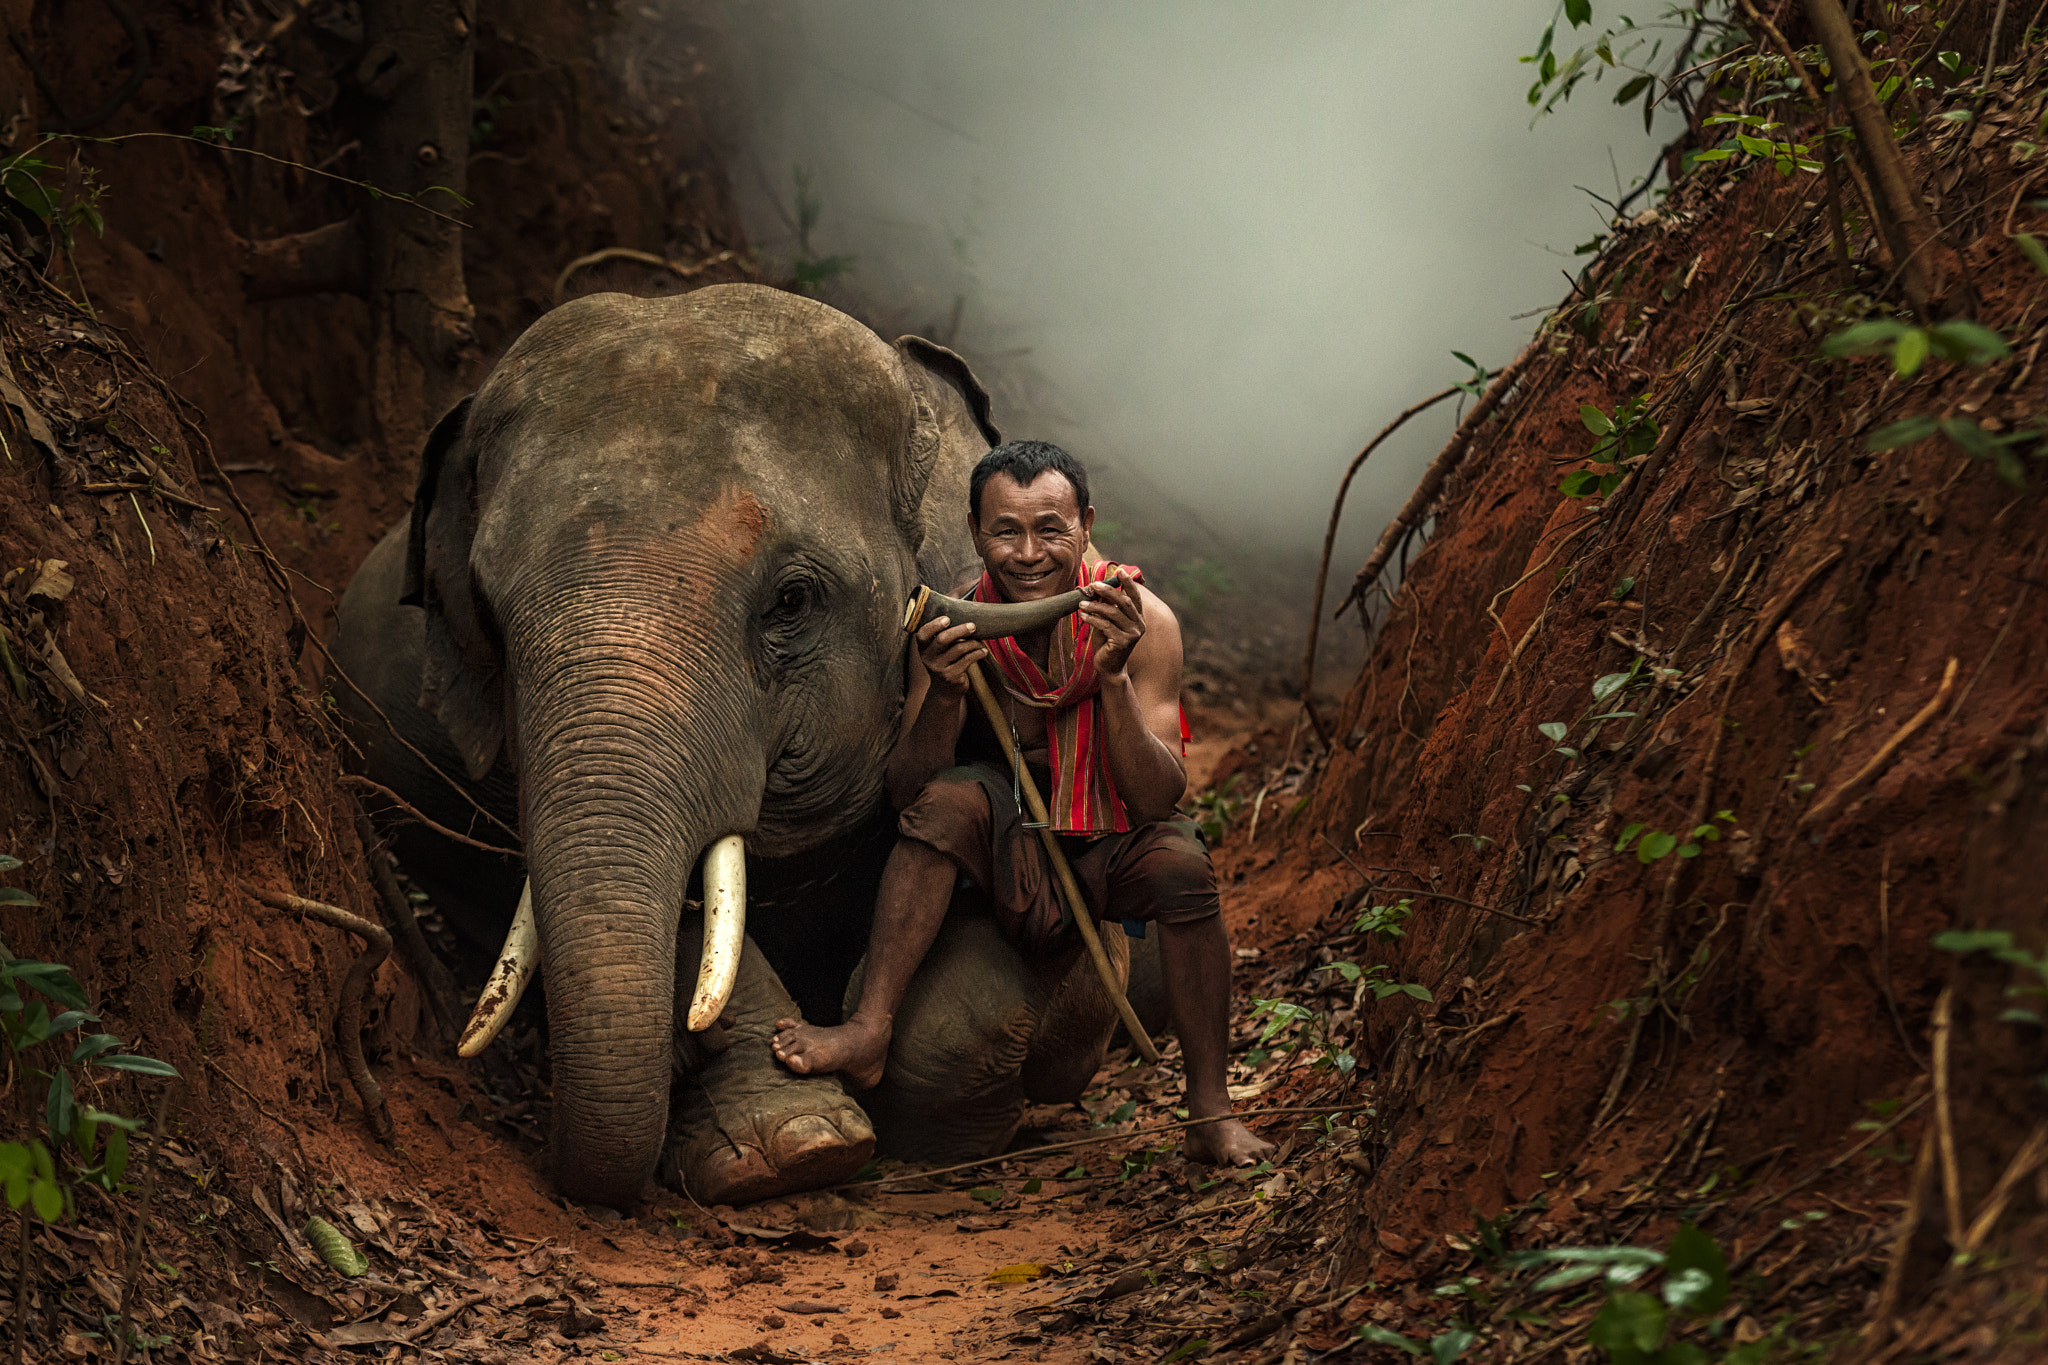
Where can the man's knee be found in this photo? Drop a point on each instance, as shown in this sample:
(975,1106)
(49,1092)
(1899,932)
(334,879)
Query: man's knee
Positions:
(1170,878)
(946,805)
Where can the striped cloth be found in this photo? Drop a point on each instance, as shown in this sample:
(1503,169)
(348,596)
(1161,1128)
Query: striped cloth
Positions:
(1084,799)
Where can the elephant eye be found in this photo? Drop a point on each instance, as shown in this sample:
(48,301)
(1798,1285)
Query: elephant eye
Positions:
(793,601)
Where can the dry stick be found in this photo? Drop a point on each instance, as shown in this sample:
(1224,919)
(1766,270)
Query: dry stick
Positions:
(433,978)
(440,1315)
(1944,1118)
(128,1276)
(1417,891)
(412,813)
(1416,509)
(1895,190)
(348,1020)
(1154,1131)
(1315,611)
(1833,801)
(2031,1154)
(1084,920)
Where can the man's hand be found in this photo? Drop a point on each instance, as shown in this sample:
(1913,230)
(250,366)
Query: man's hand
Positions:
(1118,617)
(947,652)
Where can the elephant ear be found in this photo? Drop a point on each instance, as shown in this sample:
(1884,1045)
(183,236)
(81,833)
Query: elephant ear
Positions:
(953,429)
(461,675)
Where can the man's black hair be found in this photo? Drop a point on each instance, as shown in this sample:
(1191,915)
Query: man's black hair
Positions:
(1025,461)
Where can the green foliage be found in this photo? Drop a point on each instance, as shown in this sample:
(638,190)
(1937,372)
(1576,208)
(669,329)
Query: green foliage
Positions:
(1444,1348)
(1958,340)
(24,188)
(1386,921)
(1629,50)
(1215,808)
(1655,843)
(1635,1327)
(2000,450)
(1784,157)
(92,1142)
(1625,434)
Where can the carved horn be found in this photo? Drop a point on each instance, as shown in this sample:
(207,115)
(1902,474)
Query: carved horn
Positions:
(992,620)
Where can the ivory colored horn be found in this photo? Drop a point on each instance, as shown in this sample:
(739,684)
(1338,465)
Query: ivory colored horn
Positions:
(725,928)
(992,620)
(517,962)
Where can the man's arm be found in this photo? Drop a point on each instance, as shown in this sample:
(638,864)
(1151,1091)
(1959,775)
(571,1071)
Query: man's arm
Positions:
(934,707)
(1139,663)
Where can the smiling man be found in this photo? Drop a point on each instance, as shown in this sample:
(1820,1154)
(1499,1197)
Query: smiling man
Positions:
(1095,703)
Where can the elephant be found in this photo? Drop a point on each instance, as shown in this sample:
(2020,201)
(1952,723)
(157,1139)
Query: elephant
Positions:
(649,597)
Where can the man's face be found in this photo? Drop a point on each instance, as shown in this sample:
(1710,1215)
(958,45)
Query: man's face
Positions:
(1031,536)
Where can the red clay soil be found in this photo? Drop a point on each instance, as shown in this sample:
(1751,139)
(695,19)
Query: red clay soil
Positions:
(1857,646)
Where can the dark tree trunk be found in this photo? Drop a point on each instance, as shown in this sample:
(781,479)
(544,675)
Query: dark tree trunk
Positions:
(417,70)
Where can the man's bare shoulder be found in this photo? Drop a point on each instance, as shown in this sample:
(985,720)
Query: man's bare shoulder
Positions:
(1160,649)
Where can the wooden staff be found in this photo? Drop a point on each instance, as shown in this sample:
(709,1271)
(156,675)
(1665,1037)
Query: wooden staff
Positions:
(1063,871)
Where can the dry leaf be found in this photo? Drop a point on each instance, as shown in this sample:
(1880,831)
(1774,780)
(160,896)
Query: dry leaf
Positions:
(1024,1272)
(51,583)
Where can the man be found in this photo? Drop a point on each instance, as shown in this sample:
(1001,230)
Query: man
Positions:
(1095,702)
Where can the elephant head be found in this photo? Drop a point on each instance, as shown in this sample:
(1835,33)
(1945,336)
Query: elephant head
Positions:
(663,553)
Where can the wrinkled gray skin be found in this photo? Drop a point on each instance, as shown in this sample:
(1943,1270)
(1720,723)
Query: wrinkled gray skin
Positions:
(652,592)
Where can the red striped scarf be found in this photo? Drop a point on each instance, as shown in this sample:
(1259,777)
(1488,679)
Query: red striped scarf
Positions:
(1084,799)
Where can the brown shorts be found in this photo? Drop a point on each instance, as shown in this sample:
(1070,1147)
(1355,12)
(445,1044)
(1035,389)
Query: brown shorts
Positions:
(1157,872)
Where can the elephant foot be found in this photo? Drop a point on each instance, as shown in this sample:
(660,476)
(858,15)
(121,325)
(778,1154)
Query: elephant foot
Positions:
(819,1141)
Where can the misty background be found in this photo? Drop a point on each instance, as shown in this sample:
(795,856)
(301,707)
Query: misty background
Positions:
(1209,247)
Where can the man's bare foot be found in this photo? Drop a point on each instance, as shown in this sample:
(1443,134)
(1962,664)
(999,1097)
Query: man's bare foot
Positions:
(856,1049)
(1227,1143)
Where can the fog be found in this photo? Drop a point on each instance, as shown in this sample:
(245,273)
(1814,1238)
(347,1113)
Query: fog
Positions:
(1216,245)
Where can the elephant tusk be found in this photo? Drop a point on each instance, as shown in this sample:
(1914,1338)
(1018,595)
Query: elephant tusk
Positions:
(992,620)
(725,928)
(518,960)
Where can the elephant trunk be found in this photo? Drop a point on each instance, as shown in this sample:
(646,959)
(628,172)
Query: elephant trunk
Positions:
(617,810)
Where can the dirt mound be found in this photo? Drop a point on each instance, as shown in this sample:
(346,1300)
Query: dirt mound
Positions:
(1665,797)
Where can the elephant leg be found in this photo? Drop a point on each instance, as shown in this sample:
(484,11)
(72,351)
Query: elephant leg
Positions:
(743,1128)
(981,1033)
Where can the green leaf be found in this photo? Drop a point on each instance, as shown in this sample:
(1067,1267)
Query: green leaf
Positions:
(1864,337)
(1374,1334)
(92,1045)
(141,1066)
(1622,589)
(1553,730)
(1032,1186)
(1632,89)
(1903,432)
(1688,850)
(1628,833)
(1608,684)
(1578,12)
(14,1160)
(8,862)
(1194,1346)
(1579,483)
(1971,343)
(14,895)
(1656,844)
(60,1109)
(1695,1272)
(2029,245)
(1629,1322)
(1445,1347)
(117,1153)
(1909,353)
(49,1200)
(1975,442)
(1596,421)
(1348,970)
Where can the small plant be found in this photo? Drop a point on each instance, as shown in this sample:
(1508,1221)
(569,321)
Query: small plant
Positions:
(1201,581)
(1655,843)
(2002,946)
(1215,808)
(1958,340)
(1623,435)
(92,1142)
(1786,157)
(25,194)
(1637,1328)
(1386,921)
(810,272)
(1978,440)
(1444,1348)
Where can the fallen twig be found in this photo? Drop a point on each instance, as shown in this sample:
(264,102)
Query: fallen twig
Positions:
(1834,800)
(1315,611)
(679,269)
(433,978)
(1416,509)
(348,1019)
(412,813)
(442,1315)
